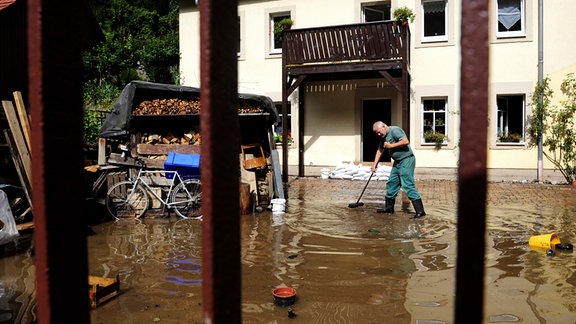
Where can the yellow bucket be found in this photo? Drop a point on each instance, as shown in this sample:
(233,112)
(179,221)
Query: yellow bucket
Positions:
(546,241)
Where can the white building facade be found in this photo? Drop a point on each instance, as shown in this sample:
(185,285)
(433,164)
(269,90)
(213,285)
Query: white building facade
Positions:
(338,113)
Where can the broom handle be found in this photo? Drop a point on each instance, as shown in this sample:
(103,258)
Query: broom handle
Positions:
(365,186)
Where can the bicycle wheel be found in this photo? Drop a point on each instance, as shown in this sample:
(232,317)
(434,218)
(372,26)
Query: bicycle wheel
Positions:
(186,198)
(123,202)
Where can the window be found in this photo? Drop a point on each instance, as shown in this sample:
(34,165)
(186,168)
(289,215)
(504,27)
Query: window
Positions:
(278,129)
(276,38)
(435,20)
(510,119)
(241,43)
(239,47)
(511,18)
(376,11)
(434,121)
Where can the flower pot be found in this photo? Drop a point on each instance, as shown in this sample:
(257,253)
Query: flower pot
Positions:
(284,296)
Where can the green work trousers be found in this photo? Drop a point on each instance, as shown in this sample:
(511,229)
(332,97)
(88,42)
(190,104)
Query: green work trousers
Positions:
(402,176)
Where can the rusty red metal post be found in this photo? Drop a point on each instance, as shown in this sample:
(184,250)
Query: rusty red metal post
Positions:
(469,302)
(55,44)
(220,164)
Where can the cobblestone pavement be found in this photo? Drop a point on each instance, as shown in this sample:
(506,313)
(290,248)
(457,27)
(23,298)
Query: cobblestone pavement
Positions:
(434,192)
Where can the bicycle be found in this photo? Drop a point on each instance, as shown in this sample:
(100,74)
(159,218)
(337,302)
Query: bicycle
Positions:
(131,198)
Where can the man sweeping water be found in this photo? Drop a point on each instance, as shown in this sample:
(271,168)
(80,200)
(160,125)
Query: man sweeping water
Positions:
(394,139)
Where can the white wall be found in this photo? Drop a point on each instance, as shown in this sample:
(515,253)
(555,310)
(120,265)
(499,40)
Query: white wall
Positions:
(332,114)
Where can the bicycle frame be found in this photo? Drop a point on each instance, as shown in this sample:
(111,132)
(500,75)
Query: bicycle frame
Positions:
(131,198)
(140,180)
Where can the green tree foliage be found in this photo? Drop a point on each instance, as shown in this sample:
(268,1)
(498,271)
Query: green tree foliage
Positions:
(140,43)
(141,38)
(556,124)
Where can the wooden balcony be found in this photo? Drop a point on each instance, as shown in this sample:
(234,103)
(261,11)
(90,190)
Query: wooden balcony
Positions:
(346,48)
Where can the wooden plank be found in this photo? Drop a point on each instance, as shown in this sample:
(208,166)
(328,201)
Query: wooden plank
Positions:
(19,167)
(18,138)
(25,226)
(117,159)
(164,149)
(24,119)
(250,178)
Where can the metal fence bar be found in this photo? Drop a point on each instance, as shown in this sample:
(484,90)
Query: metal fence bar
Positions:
(472,168)
(220,171)
(55,101)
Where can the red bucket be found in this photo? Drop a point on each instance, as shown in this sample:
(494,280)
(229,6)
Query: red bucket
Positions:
(284,296)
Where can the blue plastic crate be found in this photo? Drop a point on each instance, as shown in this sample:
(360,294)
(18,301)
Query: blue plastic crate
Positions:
(187,165)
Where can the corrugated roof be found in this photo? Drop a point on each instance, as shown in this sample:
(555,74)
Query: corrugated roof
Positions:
(6,3)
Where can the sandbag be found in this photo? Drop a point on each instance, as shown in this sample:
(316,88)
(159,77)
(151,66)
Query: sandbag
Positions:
(8,230)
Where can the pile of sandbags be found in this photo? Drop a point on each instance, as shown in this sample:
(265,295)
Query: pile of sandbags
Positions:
(359,172)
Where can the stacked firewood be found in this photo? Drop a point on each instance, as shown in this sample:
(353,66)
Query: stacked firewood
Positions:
(168,107)
(186,106)
(248,107)
(188,138)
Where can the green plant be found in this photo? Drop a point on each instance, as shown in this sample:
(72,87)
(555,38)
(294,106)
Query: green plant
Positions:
(278,137)
(280,25)
(510,138)
(556,125)
(437,138)
(92,123)
(404,15)
(99,96)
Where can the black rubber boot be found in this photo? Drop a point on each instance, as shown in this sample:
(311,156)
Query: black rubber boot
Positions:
(419,208)
(388,208)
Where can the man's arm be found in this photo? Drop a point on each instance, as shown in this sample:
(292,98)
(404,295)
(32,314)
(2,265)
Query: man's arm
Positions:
(402,142)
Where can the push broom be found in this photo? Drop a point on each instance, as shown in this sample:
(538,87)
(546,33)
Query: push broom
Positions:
(358,203)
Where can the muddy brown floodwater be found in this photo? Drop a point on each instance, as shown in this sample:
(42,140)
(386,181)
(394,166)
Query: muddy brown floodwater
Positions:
(348,265)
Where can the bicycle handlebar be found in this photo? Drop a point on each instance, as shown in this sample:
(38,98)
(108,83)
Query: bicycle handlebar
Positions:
(140,162)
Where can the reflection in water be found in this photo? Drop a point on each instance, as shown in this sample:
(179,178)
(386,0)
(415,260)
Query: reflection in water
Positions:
(348,265)
(17,286)
(160,268)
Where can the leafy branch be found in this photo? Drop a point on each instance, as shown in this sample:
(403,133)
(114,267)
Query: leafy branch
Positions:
(556,125)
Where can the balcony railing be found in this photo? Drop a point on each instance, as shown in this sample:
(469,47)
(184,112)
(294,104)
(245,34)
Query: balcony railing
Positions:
(367,42)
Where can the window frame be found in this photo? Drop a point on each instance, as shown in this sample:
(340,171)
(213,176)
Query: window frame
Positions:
(439,38)
(367,5)
(241,54)
(500,118)
(271,37)
(523,23)
(279,124)
(524,88)
(434,119)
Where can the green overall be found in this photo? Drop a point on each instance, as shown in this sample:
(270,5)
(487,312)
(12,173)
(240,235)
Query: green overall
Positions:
(402,174)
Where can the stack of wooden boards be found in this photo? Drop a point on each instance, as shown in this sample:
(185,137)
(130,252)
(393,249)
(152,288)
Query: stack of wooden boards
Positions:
(19,142)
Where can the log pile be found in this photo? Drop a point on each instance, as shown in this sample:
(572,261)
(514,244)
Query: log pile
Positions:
(168,107)
(248,107)
(176,106)
(188,138)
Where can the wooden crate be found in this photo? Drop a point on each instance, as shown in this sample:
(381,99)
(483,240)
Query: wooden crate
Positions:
(102,289)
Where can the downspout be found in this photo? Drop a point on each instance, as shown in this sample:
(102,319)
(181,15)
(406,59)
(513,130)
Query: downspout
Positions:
(540,80)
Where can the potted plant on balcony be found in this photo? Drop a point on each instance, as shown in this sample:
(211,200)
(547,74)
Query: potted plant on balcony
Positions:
(279,26)
(403,15)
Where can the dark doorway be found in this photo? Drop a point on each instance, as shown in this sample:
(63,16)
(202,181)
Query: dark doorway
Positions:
(372,111)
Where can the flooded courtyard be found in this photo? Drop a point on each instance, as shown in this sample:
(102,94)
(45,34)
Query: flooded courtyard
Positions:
(348,265)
